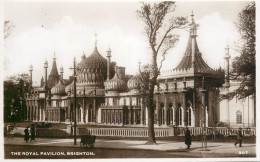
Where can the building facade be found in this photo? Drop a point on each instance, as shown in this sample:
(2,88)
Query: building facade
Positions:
(188,95)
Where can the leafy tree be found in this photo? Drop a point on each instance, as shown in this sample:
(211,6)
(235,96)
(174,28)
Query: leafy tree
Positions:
(244,66)
(14,100)
(159,23)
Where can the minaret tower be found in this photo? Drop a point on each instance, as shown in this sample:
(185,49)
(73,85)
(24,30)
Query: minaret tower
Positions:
(108,63)
(227,57)
(193,35)
(61,73)
(31,69)
(45,67)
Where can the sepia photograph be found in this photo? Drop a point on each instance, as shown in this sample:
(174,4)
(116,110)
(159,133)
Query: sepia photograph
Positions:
(161,80)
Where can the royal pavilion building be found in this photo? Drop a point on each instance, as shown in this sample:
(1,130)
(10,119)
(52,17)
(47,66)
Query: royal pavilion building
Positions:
(186,95)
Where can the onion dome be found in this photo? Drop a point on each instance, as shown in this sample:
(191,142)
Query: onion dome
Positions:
(69,87)
(115,84)
(58,89)
(95,60)
(134,82)
(92,70)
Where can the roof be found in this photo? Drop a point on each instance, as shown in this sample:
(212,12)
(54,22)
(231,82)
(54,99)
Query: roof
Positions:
(54,70)
(54,76)
(95,60)
(187,62)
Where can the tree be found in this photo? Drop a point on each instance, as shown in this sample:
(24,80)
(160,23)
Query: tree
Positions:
(159,23)
(14,100)
(243,66)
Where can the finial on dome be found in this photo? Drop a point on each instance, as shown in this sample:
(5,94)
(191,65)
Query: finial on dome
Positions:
(83,56)
(109,52)
(95,39)
(54,58)
(193,26)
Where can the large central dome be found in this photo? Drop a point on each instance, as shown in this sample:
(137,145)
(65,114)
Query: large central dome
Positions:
(95,60)
(92,70)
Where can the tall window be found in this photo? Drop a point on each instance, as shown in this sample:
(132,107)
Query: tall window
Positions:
(162,113)
(179,115)
(114,102)
(239,117)
(170,113)
(189,116)
(124,100)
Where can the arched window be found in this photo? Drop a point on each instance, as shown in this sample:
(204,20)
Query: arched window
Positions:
(239,117)
(179,115)
(162,112)
(170,113)
(108,117)
(189,116)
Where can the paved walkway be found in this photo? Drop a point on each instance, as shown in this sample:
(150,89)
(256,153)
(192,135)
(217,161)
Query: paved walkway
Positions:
(171,146)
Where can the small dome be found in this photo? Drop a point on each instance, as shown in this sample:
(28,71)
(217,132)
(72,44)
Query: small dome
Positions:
(134,82)
(115,84)
(58,89)
(69,87)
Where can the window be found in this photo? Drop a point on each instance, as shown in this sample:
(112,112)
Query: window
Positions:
(189,116)
(171,113)
(124,101)
(179,115)
(162,113)
(114,102)
(239,117)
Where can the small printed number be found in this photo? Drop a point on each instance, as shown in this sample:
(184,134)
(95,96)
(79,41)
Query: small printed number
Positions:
(243,152)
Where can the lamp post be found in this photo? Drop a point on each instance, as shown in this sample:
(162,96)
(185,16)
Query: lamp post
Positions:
(203,93)
(75,103)
(75,100)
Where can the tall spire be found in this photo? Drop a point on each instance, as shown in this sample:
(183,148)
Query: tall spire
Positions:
(54,70)
(192,57)
(193,26)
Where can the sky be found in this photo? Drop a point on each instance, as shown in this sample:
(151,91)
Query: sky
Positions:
(68,29)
